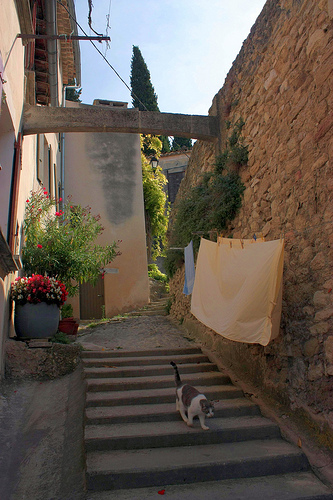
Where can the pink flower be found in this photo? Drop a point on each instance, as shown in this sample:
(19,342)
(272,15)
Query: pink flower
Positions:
(39,245)
(27,201)
(60,199)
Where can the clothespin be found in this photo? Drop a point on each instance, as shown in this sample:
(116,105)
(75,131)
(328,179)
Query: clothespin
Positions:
(255,237)
(242,244)
(230,243)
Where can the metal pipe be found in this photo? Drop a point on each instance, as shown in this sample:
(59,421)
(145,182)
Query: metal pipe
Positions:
(52,49)
(67,38)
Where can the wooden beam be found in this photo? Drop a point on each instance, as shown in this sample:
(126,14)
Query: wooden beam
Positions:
(87,118)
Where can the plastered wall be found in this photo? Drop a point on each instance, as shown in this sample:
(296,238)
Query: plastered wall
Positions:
(103,170)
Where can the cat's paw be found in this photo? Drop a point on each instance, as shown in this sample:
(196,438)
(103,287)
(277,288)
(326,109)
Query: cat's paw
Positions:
(205,428)
(190,424)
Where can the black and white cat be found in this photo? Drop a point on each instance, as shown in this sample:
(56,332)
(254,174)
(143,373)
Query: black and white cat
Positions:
(189,400)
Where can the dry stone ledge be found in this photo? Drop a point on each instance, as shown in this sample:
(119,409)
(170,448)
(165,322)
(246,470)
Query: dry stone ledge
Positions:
(42,360)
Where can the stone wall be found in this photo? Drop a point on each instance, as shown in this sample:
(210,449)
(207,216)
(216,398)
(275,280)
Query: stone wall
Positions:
(24,361)
(281,85)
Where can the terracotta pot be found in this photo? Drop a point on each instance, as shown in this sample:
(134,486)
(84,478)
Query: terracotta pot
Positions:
(68,326)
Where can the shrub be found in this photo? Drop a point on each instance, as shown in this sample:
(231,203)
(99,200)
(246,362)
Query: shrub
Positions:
(61,243)
(156,274)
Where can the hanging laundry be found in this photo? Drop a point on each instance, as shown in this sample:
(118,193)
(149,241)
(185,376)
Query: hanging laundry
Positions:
(189,269)
(238,288)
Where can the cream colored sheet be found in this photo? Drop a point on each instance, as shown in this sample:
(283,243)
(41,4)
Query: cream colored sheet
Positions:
(238,288)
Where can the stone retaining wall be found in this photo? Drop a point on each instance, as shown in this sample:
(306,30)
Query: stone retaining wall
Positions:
(55,360)
(281,86)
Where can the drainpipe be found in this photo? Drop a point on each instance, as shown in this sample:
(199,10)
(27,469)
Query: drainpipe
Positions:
(52,49)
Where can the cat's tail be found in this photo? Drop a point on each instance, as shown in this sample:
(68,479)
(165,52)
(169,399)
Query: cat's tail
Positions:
(177,376)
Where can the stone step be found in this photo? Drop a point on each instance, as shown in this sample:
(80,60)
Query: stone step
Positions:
(183,465)
(152,396)
(113,361)
(117,353)
(155,382)
(293,486)
(174,434)
(160,311)
(164,412)
(145,371)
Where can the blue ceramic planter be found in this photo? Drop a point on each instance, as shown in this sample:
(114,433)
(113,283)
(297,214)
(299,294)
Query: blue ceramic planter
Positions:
(36,321)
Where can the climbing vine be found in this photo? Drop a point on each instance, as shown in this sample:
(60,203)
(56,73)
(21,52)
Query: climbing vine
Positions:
(214,202)
(156,209)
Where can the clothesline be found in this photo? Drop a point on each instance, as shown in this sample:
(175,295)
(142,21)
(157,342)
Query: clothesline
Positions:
(259,235)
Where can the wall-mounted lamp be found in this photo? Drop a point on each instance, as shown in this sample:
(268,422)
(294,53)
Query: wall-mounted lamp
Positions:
(154,163)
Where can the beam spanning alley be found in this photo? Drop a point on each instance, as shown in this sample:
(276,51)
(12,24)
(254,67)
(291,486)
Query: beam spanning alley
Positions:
(44,119)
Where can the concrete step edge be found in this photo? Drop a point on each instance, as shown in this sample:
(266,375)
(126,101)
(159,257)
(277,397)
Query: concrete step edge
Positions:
(291,486)
(160,381)
(162,412)
(175,434)
(120,398)
(144,371)
(145,361)
(185,465)
(144,353)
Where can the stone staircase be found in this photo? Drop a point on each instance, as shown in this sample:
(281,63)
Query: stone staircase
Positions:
(137,445)
(157,307)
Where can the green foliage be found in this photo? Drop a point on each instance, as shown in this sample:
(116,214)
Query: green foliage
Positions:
(61,243)
(143,93)
(67,311)
(142,89)
(179,143)
(60,338)
(73,94)
(165,143)
(156,274)
(174,259)
(156,212)
(168,305)
(213,203)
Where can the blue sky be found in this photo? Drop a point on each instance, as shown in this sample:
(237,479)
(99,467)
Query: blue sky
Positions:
(188,46)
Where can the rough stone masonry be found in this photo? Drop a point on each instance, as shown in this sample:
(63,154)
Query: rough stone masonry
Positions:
(281,86)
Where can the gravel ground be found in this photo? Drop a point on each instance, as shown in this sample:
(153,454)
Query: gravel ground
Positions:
(134,333)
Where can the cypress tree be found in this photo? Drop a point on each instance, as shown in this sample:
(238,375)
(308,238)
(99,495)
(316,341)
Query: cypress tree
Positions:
(143,93)
(142,88)
(179,143)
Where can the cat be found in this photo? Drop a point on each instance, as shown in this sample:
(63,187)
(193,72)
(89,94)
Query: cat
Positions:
(189,400)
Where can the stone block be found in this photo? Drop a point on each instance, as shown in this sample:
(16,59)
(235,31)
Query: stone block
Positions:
(324,315)
(328,349)
(315,371)
(330,8)
(315,41)
(320,328)
(306,255)
(321,299)
(318,262)
(311,347)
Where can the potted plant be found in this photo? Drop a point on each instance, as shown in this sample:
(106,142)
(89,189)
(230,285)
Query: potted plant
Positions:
(68,323)
(37,305)
(59,253)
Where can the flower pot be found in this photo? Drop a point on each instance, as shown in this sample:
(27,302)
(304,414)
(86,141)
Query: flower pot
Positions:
(68,326)
(36,321)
